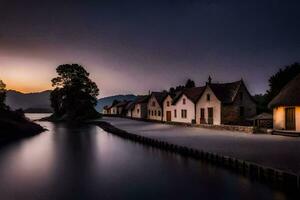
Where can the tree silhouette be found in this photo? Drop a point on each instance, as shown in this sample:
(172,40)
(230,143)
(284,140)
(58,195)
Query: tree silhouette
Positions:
(189,83)
(2,95)
(280,79)
(75,94)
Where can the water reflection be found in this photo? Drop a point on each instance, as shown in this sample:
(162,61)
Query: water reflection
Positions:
(84,162)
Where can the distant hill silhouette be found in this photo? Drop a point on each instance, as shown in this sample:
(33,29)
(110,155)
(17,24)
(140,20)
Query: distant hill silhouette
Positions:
(39,100)
(108,100)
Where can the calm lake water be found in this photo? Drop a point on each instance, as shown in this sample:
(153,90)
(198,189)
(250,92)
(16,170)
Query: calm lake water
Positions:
(69,162)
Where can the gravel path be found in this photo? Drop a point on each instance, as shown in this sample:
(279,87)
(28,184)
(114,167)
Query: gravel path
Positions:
(274,151)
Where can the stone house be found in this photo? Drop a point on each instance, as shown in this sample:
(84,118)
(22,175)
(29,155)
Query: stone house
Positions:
(225,103)
(155,106)
(286,108)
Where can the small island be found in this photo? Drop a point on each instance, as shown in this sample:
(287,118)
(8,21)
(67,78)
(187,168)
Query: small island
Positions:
(14,124)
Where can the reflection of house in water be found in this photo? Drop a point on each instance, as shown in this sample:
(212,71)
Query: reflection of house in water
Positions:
(286,108)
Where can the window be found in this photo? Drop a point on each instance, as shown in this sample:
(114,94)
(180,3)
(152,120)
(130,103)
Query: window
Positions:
(175,113)
(202,113)
(208,97)
(168,103)
(242,111)
(153,103)
(155,112)
(138,111)
(149,112)
(183,101)
(158,113)
(183,114)
(152,112)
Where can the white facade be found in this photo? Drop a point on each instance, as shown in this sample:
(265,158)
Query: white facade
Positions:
(205,103)
(186,107)
(113,110)
(168,107)
(154,110)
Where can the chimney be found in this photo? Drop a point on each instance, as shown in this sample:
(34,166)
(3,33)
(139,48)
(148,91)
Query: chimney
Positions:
(209,80)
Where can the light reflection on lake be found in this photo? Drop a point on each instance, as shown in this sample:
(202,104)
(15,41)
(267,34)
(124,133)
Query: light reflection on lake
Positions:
(84,162)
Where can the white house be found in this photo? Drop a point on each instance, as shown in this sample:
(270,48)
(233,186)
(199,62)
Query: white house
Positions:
(155,106)
(184,105)
(168,109)
(225,103)
(286,108)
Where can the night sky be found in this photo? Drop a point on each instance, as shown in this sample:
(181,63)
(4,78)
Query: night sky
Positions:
(134,46)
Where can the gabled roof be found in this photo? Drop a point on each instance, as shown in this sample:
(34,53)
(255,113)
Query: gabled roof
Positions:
(226,92)
(289,95)
(191,93)
(141,99)
(159,96)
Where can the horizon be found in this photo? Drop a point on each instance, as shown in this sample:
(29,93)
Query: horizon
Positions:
(126,46)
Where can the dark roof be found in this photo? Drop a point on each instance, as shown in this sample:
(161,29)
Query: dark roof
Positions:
(129,106)
(265,116)
(122,104)
(289,95)
(141,99)
(160,97)
(191,93)
(226,92)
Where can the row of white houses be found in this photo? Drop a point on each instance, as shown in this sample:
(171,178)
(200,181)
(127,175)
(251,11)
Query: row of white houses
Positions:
(214,103)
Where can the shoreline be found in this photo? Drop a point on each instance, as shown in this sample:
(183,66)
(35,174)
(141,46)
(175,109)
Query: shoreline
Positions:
(273,177)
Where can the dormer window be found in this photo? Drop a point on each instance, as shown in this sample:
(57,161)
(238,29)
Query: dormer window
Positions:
(208,97)
(183,101)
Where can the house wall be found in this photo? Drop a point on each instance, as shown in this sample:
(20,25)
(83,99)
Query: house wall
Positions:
(128,113)
(230,114)
(168,108)
(113,111)
(154,111)
(213,103)
(279,118)
(189,106)
(120,109)
(140,111)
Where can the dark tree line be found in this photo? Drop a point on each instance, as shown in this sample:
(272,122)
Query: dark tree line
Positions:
(189,84)
(75,94)
(2,95)
(276,83)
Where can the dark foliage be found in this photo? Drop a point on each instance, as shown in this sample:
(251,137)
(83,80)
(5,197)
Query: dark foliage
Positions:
(262,103)
(189,84)
(74,96)
(2,95)
(280,79)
